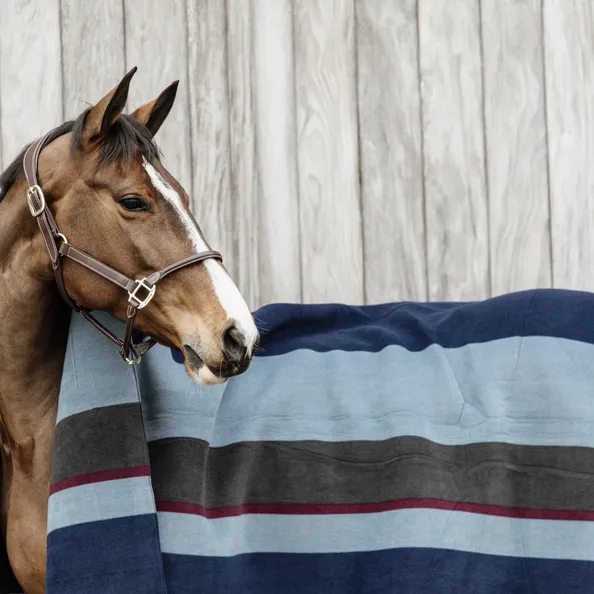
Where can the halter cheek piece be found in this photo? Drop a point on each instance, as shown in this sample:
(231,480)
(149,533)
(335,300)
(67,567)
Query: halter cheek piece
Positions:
(140,292)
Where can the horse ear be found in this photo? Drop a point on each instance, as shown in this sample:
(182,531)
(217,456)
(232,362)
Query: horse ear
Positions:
(153,114)
(104,113)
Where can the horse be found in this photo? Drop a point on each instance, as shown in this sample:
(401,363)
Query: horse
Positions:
(100,207)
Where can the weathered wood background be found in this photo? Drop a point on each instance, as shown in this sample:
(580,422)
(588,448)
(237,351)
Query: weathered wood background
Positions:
(345,150)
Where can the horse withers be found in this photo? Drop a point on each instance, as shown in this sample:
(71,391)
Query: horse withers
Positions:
(99,225)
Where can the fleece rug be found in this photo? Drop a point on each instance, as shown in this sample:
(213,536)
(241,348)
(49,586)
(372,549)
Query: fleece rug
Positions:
(417,448)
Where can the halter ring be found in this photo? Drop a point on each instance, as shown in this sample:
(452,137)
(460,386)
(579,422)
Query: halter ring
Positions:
(132,361)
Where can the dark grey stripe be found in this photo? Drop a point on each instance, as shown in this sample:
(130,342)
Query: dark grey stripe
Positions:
(312,472)
(99,439)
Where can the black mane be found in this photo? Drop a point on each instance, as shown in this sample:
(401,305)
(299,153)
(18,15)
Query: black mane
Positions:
(125,139)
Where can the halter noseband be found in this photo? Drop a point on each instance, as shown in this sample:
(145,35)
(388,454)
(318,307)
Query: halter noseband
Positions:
(140,292)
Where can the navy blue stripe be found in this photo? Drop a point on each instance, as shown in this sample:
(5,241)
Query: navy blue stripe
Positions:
(418,571)
(116,556)
(415,326)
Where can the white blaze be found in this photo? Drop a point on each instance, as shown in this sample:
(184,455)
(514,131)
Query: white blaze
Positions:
(227,293)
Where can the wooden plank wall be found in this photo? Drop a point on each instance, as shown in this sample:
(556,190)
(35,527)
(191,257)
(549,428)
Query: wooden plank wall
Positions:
(358,151)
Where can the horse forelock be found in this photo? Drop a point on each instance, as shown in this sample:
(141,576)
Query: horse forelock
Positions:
(126,139)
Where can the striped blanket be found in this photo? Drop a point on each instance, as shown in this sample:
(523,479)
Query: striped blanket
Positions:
(396,448)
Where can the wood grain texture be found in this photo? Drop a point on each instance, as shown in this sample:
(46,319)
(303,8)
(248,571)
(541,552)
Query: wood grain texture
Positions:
(279,256)
(330,218)
(209,125)
(391,152)
(344,150)
(30,72)
(156,42)
(569,55)
(455,192)
(263,150)
(242,148)
(92,51)
(515,130)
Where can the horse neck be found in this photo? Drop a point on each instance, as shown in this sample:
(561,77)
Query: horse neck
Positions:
(34,327)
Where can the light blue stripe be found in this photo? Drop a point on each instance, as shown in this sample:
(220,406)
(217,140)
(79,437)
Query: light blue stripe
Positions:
(100,501)
(194,535)
(532,391)
(94,373)
(171,399)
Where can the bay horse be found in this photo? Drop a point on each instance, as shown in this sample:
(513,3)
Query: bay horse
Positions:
(101,204)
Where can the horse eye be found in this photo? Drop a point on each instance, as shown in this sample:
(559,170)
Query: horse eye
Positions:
(133,204)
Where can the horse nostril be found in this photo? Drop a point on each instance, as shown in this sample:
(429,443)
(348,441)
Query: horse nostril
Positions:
(235,343)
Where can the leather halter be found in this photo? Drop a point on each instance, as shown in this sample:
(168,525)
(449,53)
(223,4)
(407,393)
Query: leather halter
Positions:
(140,292)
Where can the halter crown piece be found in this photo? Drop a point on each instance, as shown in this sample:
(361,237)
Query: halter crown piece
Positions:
(140,291)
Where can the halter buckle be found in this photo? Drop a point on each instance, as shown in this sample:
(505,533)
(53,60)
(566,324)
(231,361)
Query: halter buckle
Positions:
(135,301)
(35,189)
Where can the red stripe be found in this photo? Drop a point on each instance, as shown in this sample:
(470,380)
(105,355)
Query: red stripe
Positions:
(100,476)
(363,508)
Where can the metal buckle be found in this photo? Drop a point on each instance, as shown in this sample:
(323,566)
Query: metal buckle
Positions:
(36,190)
(133,361)
(136,301)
